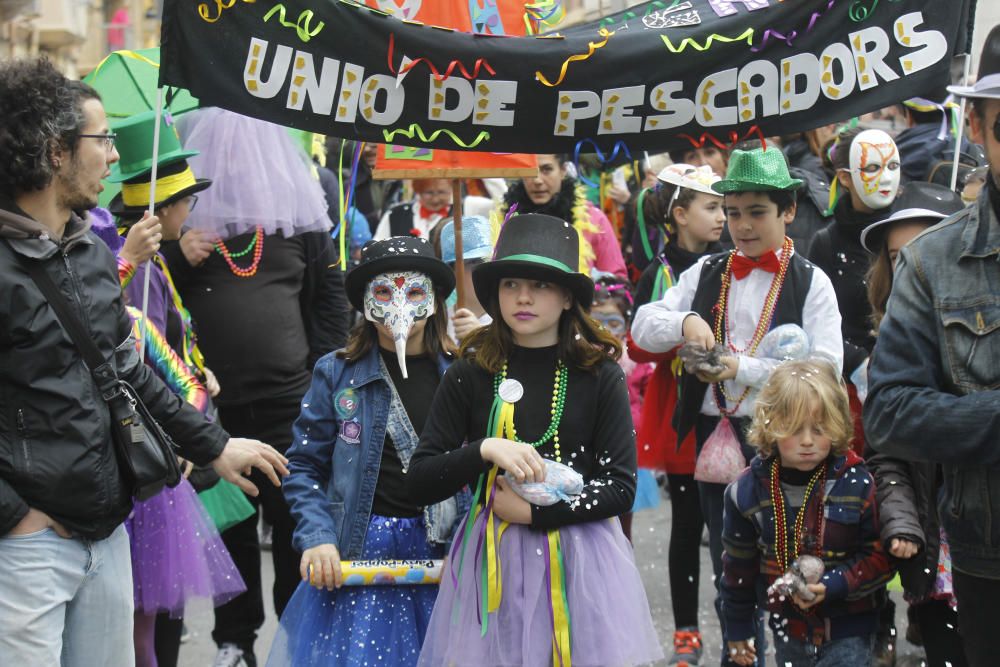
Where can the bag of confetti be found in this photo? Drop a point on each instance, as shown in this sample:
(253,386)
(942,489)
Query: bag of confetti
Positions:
(721,459)
(561,483)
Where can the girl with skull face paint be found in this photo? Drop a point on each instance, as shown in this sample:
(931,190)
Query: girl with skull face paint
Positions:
(352,445)
(868,171)
(528,584)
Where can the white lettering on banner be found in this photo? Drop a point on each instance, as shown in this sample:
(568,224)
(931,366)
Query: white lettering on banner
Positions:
(252,79)
(766,75)
(871,61)
(493,97)
(800,67)
(567,112)
(932,43)
(759,89)
(437,108)
(680,110)
(305,84)
(394,97)
(617,117)
(711,87)
(833,55)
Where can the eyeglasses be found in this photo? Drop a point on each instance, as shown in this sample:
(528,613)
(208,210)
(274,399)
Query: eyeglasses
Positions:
(192,201)
(996,128)
(109,139)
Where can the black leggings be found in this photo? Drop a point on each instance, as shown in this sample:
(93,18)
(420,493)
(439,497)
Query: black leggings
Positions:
(686,525)
(939,629)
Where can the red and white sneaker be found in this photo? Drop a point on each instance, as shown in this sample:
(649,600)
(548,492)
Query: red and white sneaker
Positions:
(687,648)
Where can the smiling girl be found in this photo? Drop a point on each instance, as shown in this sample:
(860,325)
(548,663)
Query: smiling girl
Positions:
(529,584)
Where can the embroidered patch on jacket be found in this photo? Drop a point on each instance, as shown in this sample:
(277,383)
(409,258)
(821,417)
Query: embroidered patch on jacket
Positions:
(350,431)
(345,402)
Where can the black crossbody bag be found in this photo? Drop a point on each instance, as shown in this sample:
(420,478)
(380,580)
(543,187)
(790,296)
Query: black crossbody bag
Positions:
(145,453)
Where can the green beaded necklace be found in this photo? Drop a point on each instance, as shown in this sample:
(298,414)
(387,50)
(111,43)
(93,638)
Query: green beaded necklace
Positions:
(559,386)
(241,253)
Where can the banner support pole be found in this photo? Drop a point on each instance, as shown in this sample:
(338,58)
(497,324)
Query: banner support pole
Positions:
(960,130)
(456,210)
(152,208)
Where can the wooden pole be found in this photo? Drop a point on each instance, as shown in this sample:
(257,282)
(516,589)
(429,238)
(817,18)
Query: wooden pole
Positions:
(456,210)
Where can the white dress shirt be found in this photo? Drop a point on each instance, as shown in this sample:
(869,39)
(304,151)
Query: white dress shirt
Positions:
(658,326)
(420,223)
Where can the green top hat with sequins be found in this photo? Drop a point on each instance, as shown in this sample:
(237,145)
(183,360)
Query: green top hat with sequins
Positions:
(757,170)
(135,146)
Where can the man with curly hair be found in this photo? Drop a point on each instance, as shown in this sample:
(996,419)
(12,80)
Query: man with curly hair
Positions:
(66,593)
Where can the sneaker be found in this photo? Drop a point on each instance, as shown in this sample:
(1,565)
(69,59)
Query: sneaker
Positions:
(884,654)
(687,648)
(231,655)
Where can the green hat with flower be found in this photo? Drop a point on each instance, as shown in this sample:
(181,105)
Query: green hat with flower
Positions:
(757,170)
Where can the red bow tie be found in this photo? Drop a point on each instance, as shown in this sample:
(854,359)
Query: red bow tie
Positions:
(428,212)
(743,265)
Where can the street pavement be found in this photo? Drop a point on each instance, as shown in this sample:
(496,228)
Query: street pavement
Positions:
(651,533)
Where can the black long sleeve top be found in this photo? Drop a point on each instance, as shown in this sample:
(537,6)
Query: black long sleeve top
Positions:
(837,250)
(262,335)
(595,434)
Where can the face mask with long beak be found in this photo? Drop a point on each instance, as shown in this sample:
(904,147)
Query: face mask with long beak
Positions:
(397,300)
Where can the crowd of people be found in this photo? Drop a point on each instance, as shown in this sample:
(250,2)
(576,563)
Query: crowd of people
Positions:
(797,338)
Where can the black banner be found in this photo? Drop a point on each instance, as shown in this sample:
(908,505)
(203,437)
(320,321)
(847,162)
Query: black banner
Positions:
(660,75)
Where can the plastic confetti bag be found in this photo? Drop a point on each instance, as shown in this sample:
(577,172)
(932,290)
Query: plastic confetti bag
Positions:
(721,459)
(785,343)
(561,483)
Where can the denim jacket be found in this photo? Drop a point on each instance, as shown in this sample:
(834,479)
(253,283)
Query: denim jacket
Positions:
(935,376)
(336,451)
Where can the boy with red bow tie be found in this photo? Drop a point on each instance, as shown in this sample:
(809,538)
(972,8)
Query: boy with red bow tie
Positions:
(731,300)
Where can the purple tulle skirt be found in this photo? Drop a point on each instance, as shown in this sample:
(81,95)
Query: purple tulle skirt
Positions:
(177,554)
(610,623)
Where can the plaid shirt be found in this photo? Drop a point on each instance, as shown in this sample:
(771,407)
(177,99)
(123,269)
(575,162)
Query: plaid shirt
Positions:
(857,567)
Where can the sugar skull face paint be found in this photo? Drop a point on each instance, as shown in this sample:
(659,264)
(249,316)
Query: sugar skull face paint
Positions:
(397,300)
(875,168)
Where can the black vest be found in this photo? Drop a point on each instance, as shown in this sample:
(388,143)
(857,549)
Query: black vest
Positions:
(788,310)
(401,219)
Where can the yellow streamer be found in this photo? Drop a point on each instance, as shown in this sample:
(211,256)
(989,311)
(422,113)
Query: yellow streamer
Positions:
(301,26)
(591,48)
(416,131)
(687,41)
(560,613)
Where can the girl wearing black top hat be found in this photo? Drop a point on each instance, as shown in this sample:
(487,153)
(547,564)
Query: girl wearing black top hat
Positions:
(528,584)
(352,444)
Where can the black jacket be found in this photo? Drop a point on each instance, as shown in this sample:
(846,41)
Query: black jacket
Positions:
(837,250)
(56,453)
(907,494)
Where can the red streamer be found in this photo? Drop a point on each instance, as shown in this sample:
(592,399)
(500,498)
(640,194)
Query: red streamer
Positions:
(480,63)
(734,138)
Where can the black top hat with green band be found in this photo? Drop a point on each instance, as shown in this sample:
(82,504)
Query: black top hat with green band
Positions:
(535,246)
(757,170)
(174,178)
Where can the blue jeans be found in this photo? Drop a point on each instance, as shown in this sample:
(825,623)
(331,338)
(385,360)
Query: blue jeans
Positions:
(66,601)
(853,651)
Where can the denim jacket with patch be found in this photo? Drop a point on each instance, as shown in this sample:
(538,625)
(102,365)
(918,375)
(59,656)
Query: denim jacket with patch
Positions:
(336,452)
(935,376)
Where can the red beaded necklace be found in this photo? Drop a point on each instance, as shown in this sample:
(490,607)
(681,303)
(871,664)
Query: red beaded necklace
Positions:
(784,554)
(258,251)
(723,334)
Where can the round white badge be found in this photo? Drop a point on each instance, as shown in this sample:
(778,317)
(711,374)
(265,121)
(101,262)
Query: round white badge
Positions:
(511,391)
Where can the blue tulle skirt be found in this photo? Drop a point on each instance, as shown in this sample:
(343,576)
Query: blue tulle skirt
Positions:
(362,625)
